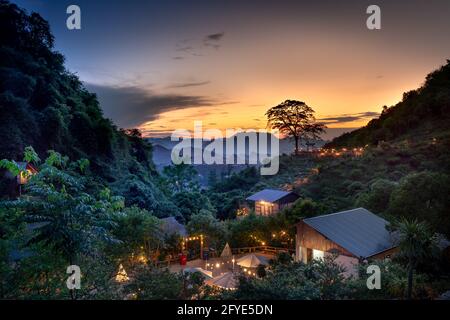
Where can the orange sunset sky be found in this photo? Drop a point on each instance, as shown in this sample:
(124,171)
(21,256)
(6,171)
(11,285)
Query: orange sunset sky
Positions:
(160,66)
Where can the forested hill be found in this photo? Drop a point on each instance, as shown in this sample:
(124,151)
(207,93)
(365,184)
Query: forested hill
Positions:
(44,105)
(424,112)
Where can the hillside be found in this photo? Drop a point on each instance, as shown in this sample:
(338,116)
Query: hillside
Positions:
(422,112)
(404,170)
(44,105)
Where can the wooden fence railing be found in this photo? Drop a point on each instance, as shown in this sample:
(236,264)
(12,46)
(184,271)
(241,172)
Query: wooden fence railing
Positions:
(264,249)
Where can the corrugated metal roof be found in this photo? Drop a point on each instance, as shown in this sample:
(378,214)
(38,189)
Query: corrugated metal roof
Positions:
(359,231)
(269,195)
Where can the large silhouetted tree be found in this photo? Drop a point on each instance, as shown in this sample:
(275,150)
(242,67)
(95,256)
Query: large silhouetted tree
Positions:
(295,119)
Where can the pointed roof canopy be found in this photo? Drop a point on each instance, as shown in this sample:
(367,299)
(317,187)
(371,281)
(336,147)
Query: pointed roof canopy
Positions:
(252,261)
(225,281)
(226,253)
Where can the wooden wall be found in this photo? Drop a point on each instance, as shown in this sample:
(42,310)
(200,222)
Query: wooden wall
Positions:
(311,239)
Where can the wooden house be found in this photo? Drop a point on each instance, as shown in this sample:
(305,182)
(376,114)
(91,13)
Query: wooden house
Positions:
(353,235)
(26,170)
(271,201)
(13,184)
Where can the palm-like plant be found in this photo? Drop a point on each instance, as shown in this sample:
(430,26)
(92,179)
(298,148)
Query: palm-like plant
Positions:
(416,243)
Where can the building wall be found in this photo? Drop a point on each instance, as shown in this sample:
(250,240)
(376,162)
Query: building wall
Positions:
(266,208)
(309,238)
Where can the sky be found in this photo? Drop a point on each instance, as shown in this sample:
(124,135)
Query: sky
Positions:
(161,65)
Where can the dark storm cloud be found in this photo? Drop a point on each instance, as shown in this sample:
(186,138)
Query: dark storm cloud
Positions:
(130,107)
(350,117)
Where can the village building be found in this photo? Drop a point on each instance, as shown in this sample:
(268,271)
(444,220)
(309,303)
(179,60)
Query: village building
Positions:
(353,235)
(15,183)
(271,201)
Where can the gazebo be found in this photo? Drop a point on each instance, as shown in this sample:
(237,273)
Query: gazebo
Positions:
(252,261)
(226,281)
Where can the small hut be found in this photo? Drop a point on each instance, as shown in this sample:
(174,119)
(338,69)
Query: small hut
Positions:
(269,201)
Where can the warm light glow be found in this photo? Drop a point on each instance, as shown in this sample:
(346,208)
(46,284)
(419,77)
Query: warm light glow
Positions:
(122,275)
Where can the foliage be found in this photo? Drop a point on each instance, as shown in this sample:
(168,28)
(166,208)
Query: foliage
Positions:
(394,282)
(204,223)
(138,231)
(44,105)
(429,103)
(377,197)
(181,178)
(295,119)
(423,196)
(318,280)
(191,203)
(303,208)
(416,244)
(30,156)
(161,284)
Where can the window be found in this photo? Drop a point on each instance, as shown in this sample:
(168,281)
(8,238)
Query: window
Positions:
(317,254)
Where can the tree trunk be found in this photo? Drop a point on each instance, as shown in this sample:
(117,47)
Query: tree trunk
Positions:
(296,145)
(410,282)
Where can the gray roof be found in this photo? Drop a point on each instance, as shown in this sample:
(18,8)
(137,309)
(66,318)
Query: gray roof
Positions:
(170,226)
(269,195)
(359,231)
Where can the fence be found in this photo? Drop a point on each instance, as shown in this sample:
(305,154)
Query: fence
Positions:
(263,249)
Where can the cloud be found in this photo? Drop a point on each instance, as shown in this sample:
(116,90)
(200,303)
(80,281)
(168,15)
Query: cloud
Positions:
(130,107)
(215,36)
(189,84)
(183,48)
(349,117)
(212,40)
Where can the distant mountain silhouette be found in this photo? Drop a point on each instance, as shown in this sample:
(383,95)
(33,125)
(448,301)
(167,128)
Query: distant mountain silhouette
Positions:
(162,148)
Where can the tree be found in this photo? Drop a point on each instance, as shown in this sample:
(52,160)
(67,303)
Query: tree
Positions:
(318,280)
(378,195)
(424,196)
(138,232)
(295,119)
(181,177)
(31,156)
(204,223)
(161,284)
(416,244)
(190,203)
(303,208)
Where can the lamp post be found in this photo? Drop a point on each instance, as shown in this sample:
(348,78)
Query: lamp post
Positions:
(201,246)
(233,261)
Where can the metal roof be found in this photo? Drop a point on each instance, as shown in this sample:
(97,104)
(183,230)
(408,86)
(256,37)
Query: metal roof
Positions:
(269,195)
(359,231)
